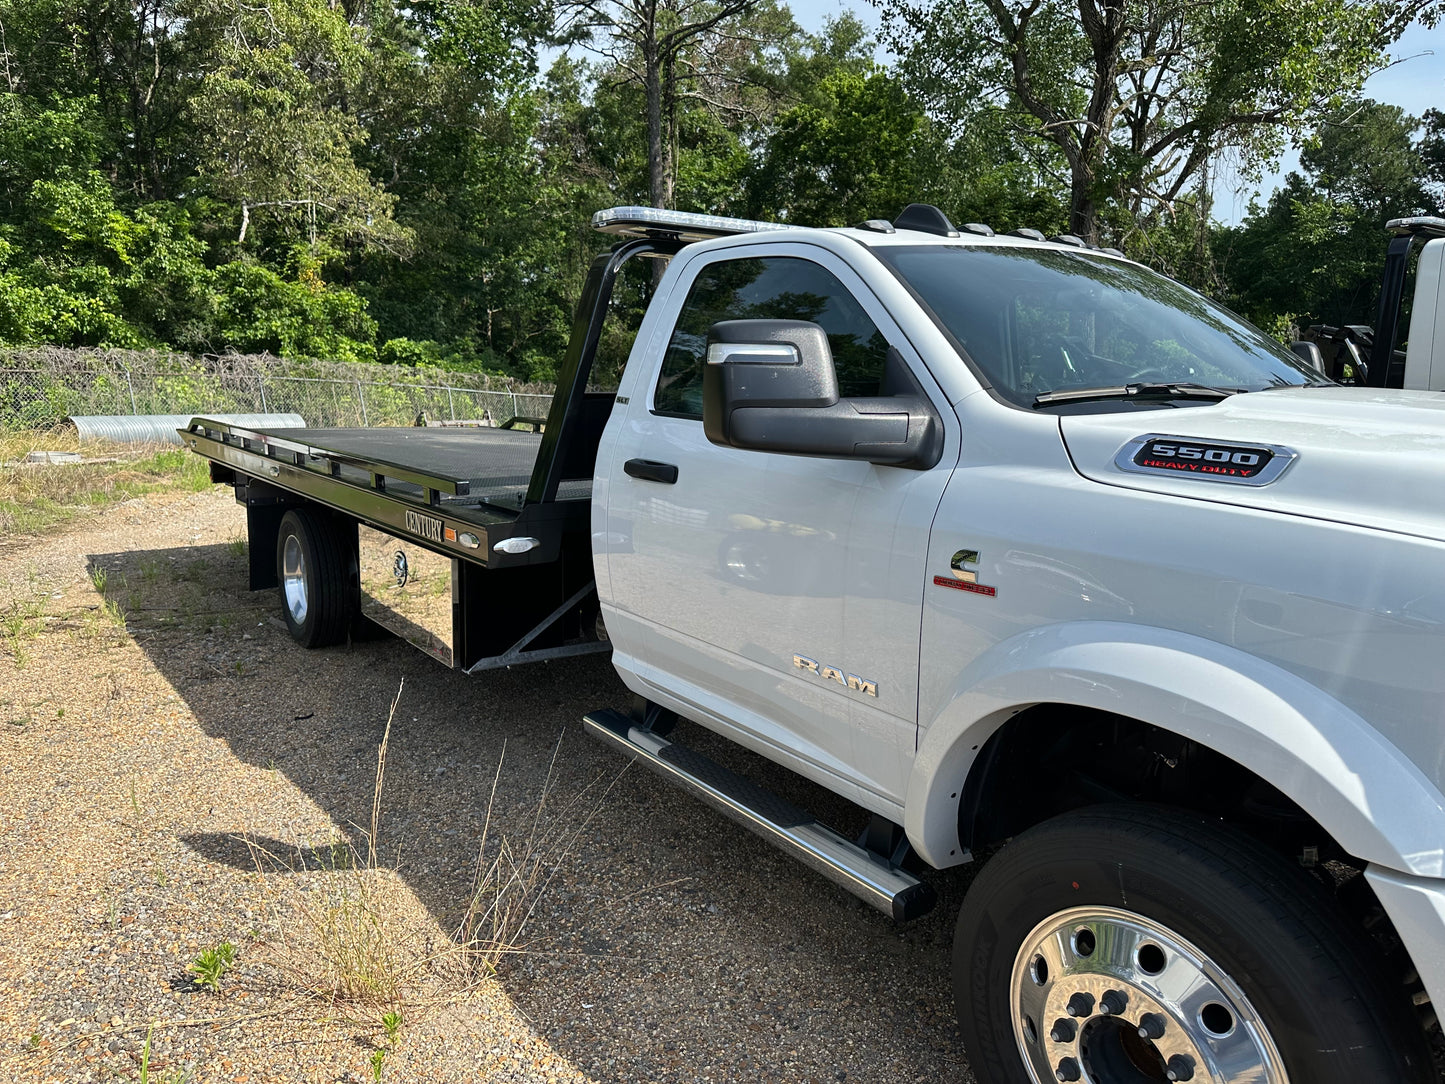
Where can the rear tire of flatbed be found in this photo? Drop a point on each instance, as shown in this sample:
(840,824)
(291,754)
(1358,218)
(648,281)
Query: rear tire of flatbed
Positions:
(316,571)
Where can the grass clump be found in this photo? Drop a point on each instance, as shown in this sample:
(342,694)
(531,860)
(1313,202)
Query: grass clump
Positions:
(38,497)
(21,623)
(361,940)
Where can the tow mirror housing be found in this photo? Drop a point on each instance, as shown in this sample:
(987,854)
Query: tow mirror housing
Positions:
(770,385)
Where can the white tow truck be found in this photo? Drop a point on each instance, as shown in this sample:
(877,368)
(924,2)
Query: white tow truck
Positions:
(1025,550)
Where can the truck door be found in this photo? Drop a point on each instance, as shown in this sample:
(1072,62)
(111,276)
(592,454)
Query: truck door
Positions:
(777,597)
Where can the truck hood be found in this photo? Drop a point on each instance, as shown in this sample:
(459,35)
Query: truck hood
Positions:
(1365,457)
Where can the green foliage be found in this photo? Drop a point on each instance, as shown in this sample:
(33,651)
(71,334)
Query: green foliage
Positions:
(259,311)
(853,151)
(392,180)
(211,964)
(1129,102)
(1313,254)
(391,1022)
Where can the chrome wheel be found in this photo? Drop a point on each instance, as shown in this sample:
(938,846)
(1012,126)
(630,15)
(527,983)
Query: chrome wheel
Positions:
(293,578)
(1106,996)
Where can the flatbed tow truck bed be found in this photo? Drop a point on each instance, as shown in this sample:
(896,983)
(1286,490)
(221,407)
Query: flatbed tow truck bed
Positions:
(496,520)
(490,467)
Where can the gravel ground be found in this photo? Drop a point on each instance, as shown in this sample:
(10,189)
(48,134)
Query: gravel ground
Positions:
(175,774)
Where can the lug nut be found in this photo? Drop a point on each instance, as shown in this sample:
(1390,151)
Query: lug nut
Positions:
(1081,1004)
(1063,1030)
(1180,1067)
(1151,1026)
(1113,1002)
(1068,1070)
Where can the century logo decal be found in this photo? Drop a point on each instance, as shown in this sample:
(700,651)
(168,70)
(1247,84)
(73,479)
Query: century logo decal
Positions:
(832,673)
(428,527)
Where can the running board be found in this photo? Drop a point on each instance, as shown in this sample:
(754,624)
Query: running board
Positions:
(781,823)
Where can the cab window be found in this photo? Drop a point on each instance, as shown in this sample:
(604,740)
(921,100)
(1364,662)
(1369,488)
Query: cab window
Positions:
(768,288)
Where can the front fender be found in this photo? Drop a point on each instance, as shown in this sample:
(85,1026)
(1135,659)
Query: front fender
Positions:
(1360,788)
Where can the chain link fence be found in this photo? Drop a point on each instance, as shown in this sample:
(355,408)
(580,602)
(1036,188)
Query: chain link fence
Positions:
(40,387)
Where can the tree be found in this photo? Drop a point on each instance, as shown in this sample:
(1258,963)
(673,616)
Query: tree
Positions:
(1315,252)
(677,52)
(275,137)
(1133,98)
(853,151)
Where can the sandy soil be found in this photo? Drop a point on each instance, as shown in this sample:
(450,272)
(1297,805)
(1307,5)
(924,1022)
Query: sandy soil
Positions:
(175,774)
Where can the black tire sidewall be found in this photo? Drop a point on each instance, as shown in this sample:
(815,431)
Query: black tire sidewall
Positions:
(1272,928)
(329,591)
(293,525)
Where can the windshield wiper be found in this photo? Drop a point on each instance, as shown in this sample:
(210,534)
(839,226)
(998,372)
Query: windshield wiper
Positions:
(1134,391)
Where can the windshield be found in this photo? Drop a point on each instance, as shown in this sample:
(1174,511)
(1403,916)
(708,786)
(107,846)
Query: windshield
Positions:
(1037,320)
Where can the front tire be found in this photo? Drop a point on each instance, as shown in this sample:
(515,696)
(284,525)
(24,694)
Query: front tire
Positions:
(316,569)
(1127,944)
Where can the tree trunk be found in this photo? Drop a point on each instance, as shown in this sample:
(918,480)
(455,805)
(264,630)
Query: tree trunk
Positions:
(1083,208)
(656,172)
(669,133)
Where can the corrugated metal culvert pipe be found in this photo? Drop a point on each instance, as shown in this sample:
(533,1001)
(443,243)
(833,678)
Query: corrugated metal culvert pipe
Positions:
(161,428)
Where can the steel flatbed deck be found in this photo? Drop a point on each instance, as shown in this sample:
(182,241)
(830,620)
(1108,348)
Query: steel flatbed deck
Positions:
(458,490)
(510,509)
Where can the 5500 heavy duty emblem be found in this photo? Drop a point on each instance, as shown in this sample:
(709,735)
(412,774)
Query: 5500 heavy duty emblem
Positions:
(1217,461)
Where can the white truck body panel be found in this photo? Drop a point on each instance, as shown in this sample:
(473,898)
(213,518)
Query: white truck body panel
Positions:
(1296,627)
(751,559)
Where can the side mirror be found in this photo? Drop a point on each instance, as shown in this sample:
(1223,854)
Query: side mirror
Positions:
(770,385)
(1310,354)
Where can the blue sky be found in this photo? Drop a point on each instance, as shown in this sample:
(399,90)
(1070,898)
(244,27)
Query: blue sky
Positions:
(1416,83)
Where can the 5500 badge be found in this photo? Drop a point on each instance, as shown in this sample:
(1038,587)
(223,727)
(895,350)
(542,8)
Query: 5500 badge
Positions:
(1216,461)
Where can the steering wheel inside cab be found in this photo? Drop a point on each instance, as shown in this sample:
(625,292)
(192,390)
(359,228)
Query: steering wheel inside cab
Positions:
(1061,362)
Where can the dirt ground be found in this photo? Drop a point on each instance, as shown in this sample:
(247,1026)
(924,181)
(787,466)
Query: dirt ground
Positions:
(176,775)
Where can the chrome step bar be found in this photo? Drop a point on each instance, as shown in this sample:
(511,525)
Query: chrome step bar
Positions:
(860,871)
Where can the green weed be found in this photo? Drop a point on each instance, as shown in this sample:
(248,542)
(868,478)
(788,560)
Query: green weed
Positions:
(377,1058)
(211,964)
(174,1076)
(391,1024)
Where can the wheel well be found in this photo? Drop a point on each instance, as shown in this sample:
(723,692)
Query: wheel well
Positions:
(1054,758)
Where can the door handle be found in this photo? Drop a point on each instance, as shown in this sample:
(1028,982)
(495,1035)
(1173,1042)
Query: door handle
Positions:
(651,470)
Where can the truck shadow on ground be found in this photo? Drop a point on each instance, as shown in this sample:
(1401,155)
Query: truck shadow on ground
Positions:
(664,943)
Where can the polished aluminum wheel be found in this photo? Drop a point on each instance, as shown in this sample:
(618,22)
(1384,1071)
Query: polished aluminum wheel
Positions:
(293,579)
(1105,996)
